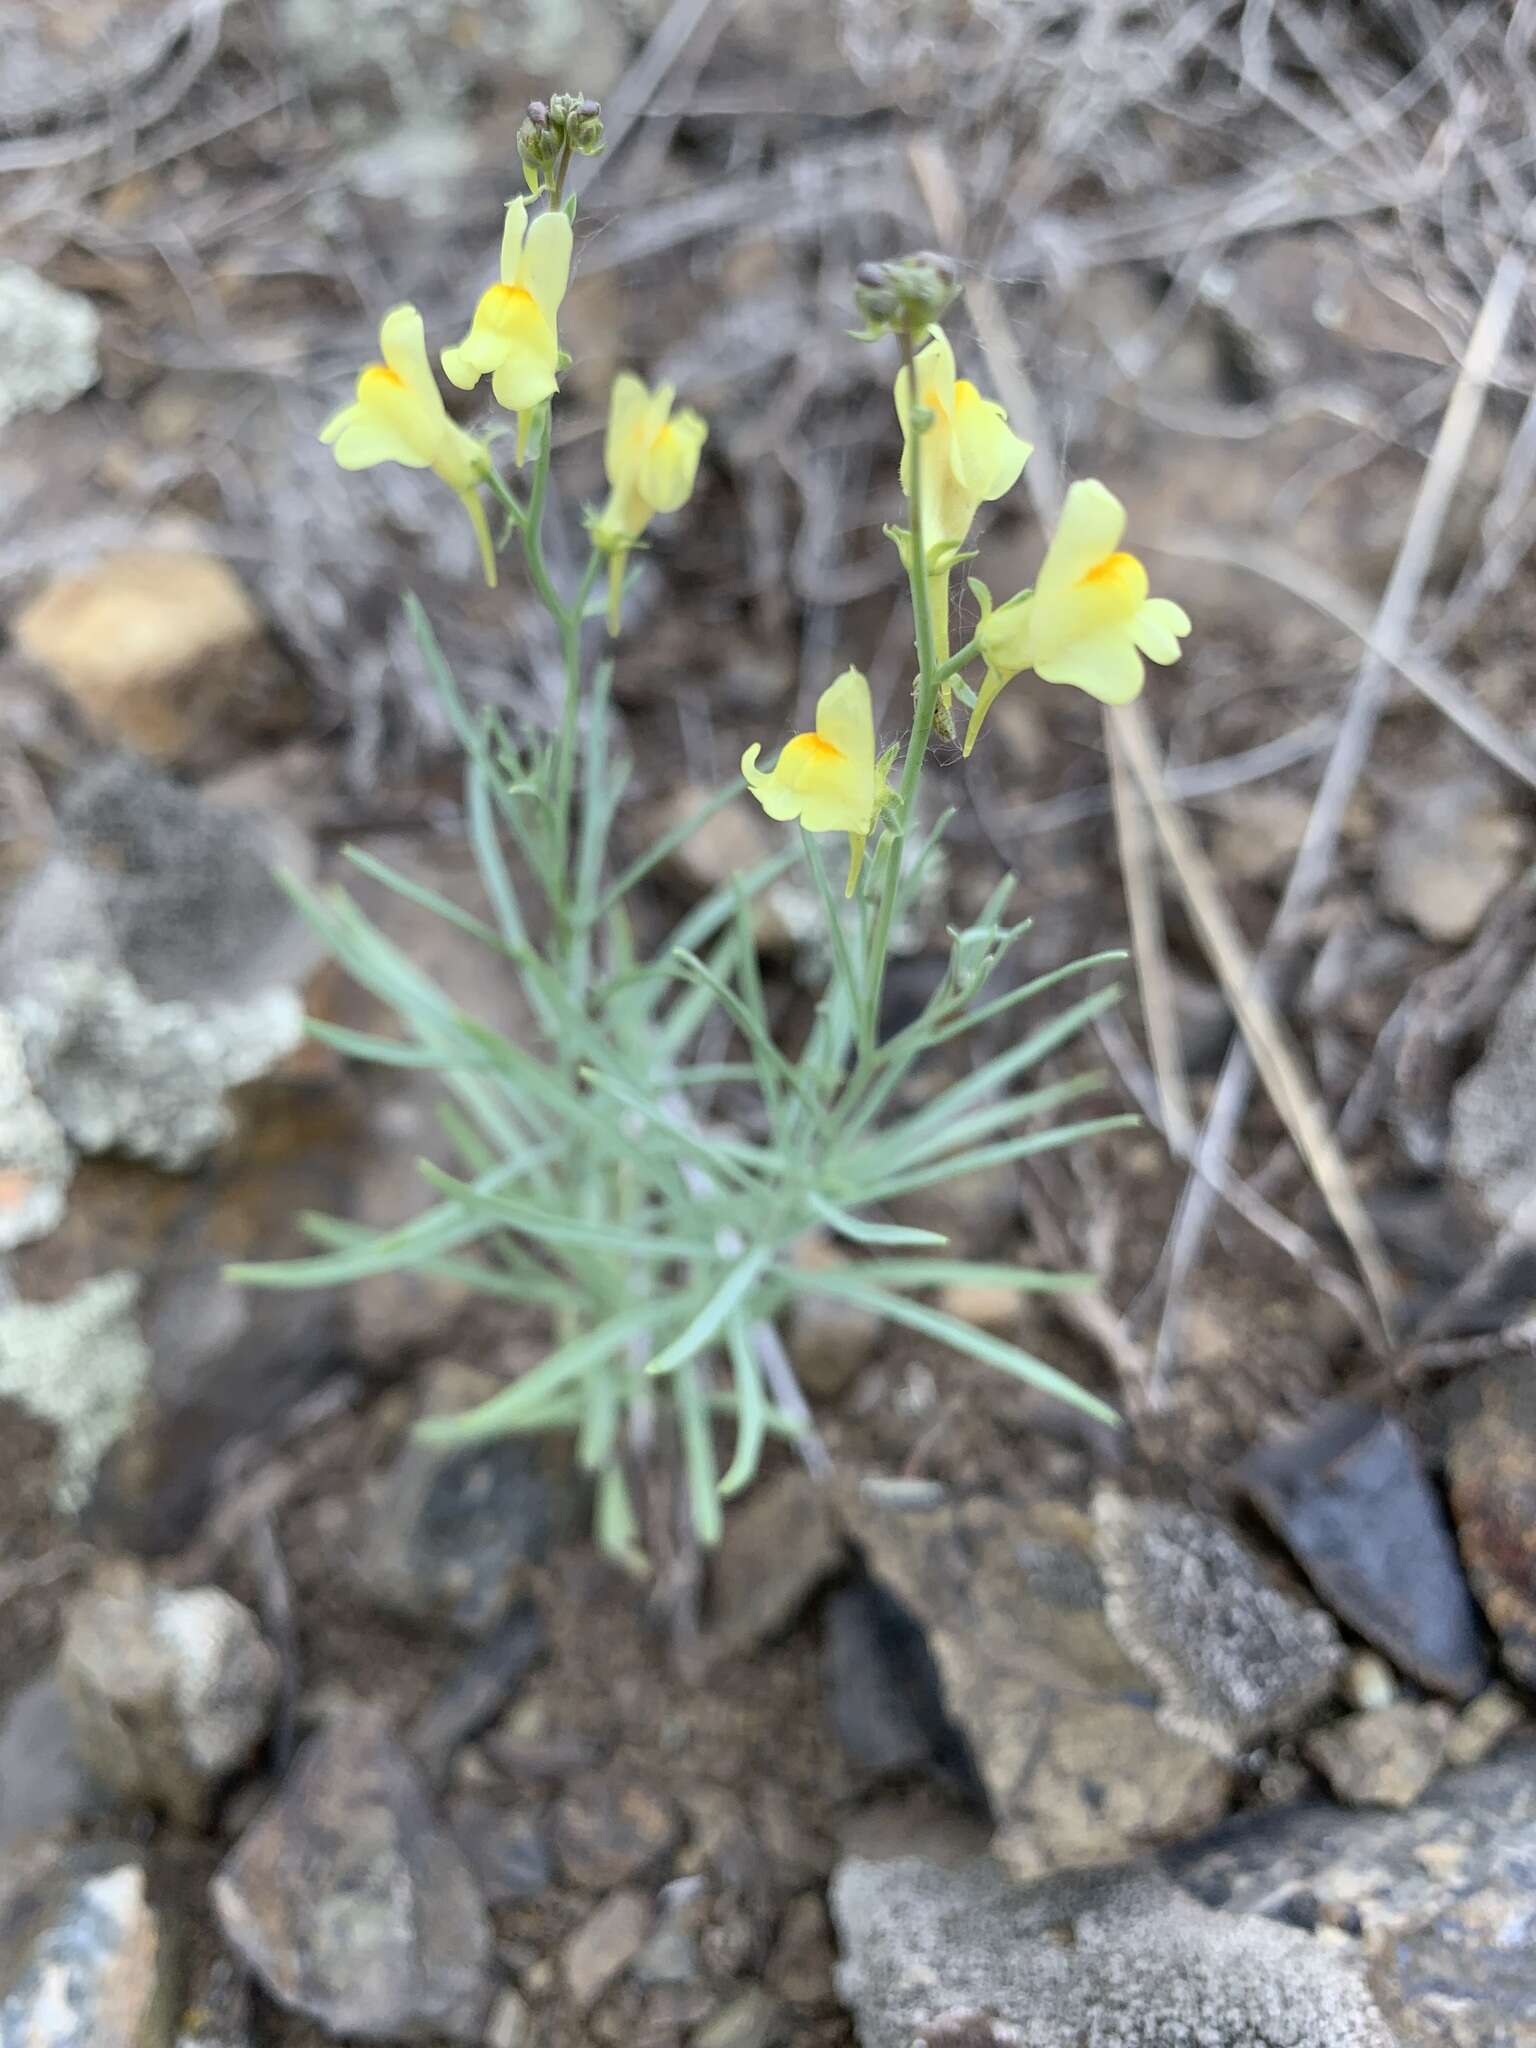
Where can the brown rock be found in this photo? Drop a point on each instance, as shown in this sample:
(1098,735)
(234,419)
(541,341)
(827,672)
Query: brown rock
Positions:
(830,1341)
(1386,1756)
(1062,1725)
(778,1547)
(155,646)
(1449,850)
(610,1826)
(1492,1472)
(351,1901)
(800,1967)
(1483,1725)
(604,1945)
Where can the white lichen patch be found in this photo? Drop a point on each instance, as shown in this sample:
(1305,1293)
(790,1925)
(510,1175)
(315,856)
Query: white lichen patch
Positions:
(78,1364)
(143,1079)
(47,344)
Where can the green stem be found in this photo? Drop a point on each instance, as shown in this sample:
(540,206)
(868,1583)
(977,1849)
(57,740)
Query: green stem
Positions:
(929,676)
(951,668)
(570,623)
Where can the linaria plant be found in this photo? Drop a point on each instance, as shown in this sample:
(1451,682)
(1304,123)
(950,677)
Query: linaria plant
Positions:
(598,1180)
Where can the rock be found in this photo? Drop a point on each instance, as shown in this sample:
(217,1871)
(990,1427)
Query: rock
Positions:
(967,1956)
(1385,1756)
(671,1955)
(1436,1901)
(779,1546)
(1449,848)
(1493,1117)
(85,1960)
(1350,1500)
(609,1827)
(984,1308)
(36,1163)
(143,1079)
(1483,1725)
(159,648)
(44,1784)
(506,1848)
(450,1534)
(1369,1681)
(1234,1658)
(800,1967)
(754,2020)
(1065,1736)
(176,891)
(972,1210)
(1491,1468)
(169,1690)
(830,1341)
(511,2023)
(47,343)
(478,1690)
(604,1945)
(883,1693)
(78,1364)
(218,2012)
(351,1901)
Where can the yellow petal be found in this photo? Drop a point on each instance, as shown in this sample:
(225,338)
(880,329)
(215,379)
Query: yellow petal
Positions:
(993,682)
(627,403)
(1157,629)
(1092,521)
(403,343)
(359,439)
(825,778)
(845,719)
(986,455)
(1104,664)
(1004,636)
(666,475)
(545,265)
(514,229)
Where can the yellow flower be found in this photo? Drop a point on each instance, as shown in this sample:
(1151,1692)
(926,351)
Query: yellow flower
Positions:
(1089,620)
(969,456)
(651,455)
(826,778)
(398,415)
(512,337)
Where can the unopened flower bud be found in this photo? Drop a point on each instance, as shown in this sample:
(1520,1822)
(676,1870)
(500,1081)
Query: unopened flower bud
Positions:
(905,295)
(584,128)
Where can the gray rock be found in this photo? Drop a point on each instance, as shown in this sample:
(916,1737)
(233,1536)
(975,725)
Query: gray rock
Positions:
(511,2023)
(1484,1725)
(605,1944)
(1436,1901)
(169,1690)
(123,1074)
(178,892)
(36,1163)
(44,1785)
(1350,1500)
(47,343)
(478,1690)
(506,1848)
(85,1959)
(1493,1118)
(754,2020)
(1061,1724)
(1449,849)
(352,1903)
(1233,1657)
(933,1954)
(78,1364)
(450,1534)
(1385,1756)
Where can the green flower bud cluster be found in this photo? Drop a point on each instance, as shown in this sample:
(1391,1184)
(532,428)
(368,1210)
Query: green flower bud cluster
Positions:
(552,132)
(905,295)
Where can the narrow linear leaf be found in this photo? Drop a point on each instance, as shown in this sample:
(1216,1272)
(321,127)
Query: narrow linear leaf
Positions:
(703,1328)
(862,1230)
(573,1360)
(751,1410)
(1000,1155)
(698,1453)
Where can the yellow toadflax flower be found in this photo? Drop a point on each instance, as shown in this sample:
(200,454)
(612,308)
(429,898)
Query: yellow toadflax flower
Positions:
(1089,620)
(398,415)
(826,778)
(512,337)
(969,456)
(651,455)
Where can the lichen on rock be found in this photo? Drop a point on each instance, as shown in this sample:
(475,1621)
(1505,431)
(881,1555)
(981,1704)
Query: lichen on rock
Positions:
(47,343)
(78,1364)
(36,1164)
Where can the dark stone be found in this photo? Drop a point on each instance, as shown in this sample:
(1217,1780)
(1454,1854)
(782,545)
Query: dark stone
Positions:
(43,1781)
(1439,1899)
(506,1847)
(484,1682)
(1351,1501)
(611,1826)
(1492,1472)
(352,1902)
(451,1533)
(883,1693)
